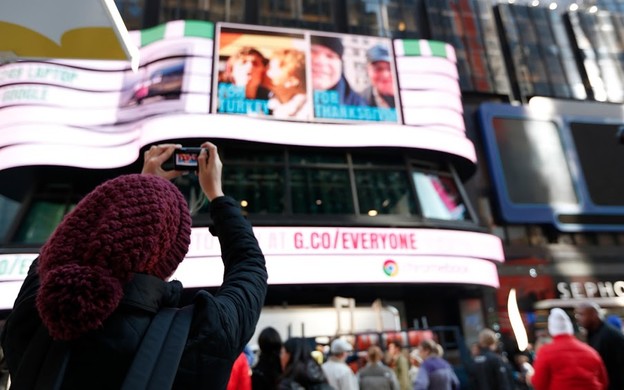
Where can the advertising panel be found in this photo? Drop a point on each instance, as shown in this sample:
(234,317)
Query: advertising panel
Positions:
(573,180)
(312,255)
(99,114)
(300,75)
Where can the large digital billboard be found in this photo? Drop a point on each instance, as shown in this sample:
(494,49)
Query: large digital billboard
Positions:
(99,114)
(301,75)
(561,167)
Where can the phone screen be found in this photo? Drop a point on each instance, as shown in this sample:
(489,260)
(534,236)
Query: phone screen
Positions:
(185,159)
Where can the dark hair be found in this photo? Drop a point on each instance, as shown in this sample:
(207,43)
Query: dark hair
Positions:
(300,355)
(335,44)
(270,341)
(269,368)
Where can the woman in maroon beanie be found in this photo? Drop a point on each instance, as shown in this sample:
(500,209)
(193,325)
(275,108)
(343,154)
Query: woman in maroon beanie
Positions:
(103,275)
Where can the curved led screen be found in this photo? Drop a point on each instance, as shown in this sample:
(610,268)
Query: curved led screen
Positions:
(99,114)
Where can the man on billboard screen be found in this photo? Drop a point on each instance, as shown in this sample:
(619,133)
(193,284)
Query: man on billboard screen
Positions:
(343,86)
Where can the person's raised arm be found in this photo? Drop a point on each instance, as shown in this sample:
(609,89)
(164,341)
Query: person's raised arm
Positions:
(241,295)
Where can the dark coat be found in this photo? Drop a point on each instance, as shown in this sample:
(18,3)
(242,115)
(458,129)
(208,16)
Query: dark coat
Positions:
(491,372)
(308,376)
(222,324)
(347,95)
(609,342)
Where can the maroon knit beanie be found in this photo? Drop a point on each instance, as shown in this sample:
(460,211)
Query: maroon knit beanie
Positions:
(133,223)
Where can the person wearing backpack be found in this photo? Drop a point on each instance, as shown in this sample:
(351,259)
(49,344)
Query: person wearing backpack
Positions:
(102,276)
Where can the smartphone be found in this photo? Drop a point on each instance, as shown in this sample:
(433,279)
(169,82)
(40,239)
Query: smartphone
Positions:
(183,159)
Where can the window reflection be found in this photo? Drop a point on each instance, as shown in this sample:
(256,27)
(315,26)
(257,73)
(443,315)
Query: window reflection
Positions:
(42,218)
(308,14)
(131,12)
(260,190)
(321,191)
(384,192)
(439,197)
(8,212)
(385,18)
(265,182)
(213,10)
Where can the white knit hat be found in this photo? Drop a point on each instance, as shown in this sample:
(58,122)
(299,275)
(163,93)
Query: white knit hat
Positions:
(559,323)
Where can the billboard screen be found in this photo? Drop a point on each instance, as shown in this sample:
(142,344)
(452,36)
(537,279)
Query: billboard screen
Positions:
(556,167)
(300,75)
(99,114)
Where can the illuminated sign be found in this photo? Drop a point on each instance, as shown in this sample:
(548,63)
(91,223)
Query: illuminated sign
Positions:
(99,114)
(308,255)
(300,75)
(576,290)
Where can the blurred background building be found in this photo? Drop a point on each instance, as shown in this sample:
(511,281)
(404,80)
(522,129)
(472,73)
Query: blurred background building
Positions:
(542,87)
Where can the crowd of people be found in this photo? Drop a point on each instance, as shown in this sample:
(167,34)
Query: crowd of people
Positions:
(299,363)
(559,361)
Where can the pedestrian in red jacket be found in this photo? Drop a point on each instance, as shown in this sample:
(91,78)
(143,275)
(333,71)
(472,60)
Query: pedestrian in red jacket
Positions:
(240,378)
(567,363)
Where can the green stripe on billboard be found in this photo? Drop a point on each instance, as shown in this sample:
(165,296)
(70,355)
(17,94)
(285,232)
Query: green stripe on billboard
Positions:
(153,34)
(198,28)
(411,47)
(420,47)
(438,49)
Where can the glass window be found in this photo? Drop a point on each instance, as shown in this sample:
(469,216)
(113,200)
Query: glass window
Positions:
(321,191)
(309,14)
(251,156)
(439,197)
(386,18)
(403,16)
(378,159)
(260,190)
(131,12)
(213,10)
(531,151)
(327,157)
(8,212)
(384,192)
(42,218)
(190,188)
(368,17)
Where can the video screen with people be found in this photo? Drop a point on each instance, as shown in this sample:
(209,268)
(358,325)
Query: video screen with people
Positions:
(298,75)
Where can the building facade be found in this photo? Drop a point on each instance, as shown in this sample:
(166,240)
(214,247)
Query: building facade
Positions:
(424,198)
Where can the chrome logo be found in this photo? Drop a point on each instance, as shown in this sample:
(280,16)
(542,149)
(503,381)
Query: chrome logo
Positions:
(391,268)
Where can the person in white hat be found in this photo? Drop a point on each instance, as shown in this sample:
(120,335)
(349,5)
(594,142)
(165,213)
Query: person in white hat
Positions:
(338,373)
(566,363)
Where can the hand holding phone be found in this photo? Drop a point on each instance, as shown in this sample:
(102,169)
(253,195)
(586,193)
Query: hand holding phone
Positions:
(155,161)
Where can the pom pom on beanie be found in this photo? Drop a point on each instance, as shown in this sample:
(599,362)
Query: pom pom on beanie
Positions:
(77,298)
(133,223)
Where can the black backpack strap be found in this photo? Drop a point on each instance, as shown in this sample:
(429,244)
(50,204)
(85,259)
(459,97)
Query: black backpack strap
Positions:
(43,365)
(156,361)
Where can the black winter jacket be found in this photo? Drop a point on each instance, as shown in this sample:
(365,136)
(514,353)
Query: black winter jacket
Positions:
(222,324)
(491,372)
(609,342)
